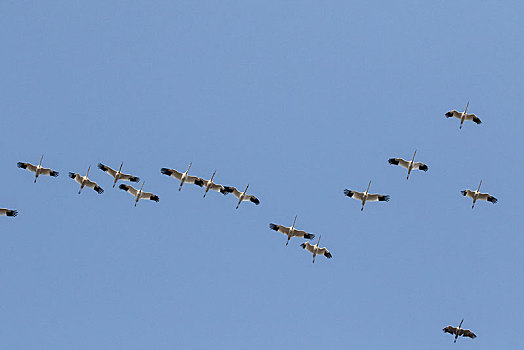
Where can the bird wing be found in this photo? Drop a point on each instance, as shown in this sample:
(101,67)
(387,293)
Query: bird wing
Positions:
(354,194)
(487,197)
(453,113)
(467,333)
(449,329)
(8,212)
(399,161)
(377,198)
(94,186)
(231,189)
(191,179)
(48,172)
(279,228)
(106,169)
(76,177)
(467,193)
(251,198)
(307,246)
(216,187)
(172,172)
(472,117)
(27,166)
(420,166)
(150,196)
(325,252)
(129,189)
(303,234)
(127,177)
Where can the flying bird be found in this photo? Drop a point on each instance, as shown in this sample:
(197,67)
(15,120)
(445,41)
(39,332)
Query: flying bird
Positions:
(84,181)
(459,332)
(315,250)
(210,185)
(241,195)
(410,165)
(118,175)
(366,197)
(183,177)
(291,231)
(138,194)
(37,169)
(463,116)
(8,212)
(476,195)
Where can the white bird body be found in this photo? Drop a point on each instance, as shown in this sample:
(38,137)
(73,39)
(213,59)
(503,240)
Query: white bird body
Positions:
(84,181)
(117,175)
(8,212)
(183,177)
(242,196)
(210,185)
(138,194)
(291,231)
(366,196)
(477,195)
(37,169)
(409,165)
(315,250)
(463,116)
(458,331)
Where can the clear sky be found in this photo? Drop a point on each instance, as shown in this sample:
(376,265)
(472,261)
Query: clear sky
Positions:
(300,99)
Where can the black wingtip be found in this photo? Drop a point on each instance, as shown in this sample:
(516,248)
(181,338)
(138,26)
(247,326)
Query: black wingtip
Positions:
(393,161)
(72,175)
(384,198)
(123,187)
(199,182)
(99,189)
(21,165)
(423,167)
(328,255)
(303,245)
(449,114)
(348,193)
(463,192)
(228,189)
(155,198)
(134,179)
(492,199)
(11,213)
(309,236)
(273,227)
(255,200)
(166,171)
(54,173)
(102,167)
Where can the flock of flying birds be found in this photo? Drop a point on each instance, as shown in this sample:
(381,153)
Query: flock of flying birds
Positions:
(242,196)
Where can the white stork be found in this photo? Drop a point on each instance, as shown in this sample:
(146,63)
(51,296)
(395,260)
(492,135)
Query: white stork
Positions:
(242,196)
(37,169)
(84,181)
(8,212)
(118,175)
(138,194)
(315,250)
(410,165)
(210,185)
(183,177)
(463,116)
(459,332)
(291,231)
(366,197)
(476,195)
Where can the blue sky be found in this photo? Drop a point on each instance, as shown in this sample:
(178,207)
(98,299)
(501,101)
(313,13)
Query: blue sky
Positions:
(298,99)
